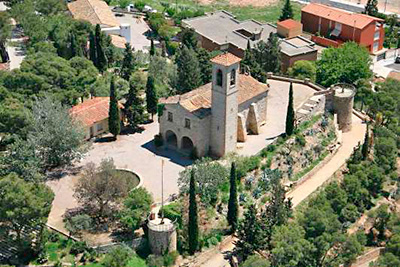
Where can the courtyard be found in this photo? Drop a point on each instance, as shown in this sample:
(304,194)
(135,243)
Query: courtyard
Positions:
(138,153)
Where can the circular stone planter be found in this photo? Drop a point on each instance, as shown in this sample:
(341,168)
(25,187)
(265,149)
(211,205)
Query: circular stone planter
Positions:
(137,180)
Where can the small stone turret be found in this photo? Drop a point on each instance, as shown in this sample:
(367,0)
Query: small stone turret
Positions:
(343,100)
(162,236)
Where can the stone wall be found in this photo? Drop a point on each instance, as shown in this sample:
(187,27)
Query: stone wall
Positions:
(199,131)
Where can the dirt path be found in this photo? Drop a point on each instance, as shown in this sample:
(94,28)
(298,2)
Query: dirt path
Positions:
(350,140)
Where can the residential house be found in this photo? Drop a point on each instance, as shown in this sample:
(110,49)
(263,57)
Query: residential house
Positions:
(335,26)
(93,115)
(98,12)
(222,31)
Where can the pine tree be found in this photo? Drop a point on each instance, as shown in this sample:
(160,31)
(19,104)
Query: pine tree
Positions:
(101,58)
(113,113)
(204,57)
(134,107)
(128,63)
(233,208)
(249,233)
(290,113)
(278,210)
(189,74)
(287,11)
(193,227)
(151,96)
(371,8)
(152,48)
(365,146)
(92,48)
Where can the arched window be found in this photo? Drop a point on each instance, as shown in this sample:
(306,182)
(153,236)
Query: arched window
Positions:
(219,77)
(233,77)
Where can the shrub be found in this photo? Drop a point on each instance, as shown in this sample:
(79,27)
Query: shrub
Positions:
(139,5)
(172,47)
(300,140)
(78,223)
(170,258)
(173,211)
(155,261)
(246,164)
(78,247)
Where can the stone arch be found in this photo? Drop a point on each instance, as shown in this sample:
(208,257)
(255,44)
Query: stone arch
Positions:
(171,139)
(219,77)
(187,144)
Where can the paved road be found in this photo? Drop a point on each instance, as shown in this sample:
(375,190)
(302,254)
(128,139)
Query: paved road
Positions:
(350,140)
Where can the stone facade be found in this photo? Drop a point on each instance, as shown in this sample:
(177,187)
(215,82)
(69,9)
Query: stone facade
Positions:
(211,120)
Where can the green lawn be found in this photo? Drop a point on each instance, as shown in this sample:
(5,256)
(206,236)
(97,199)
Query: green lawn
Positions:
(262,14)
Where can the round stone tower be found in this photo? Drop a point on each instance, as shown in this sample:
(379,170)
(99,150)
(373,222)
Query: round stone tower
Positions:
(343,99)
(162,236)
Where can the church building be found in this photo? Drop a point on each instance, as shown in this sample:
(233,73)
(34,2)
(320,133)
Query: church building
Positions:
(214,117)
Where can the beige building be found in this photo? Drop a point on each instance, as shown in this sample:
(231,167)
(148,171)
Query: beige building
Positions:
(93,114)
(214,117)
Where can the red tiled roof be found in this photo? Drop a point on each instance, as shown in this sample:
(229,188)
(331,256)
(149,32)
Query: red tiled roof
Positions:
(289,24)
(200,98)
(226,59)
(92,110)
(394,75)
(338,15)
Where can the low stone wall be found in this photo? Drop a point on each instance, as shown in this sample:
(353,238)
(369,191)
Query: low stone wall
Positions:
(368,257)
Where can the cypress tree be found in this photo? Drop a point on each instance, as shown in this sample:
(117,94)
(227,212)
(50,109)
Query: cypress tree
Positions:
(113,112)
(249,233)
(287,11)
(152,48)
(72,45)
(365,146)
(189,38)
(233,208)
(290,113)
(128,63)
(101,58)
(204,57)
(151,96)
(92,48)
(371,8)
(189,73)
(193,227)
(134,107)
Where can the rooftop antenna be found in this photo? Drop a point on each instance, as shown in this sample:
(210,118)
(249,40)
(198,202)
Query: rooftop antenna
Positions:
(162,191)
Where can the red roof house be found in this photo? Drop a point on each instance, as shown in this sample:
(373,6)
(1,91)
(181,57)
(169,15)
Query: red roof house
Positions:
(289,28)
(93,114)
(340,25)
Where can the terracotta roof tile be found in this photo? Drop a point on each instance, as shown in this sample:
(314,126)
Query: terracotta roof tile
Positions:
(351,19)
(118,41)
(93,11)
(198,101)
(289,24)
(92,110)
(226,59)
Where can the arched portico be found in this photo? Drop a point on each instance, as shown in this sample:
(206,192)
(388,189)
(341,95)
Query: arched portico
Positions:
(171,139)
(187,144)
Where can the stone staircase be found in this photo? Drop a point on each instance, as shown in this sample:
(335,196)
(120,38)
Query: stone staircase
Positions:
(309,108)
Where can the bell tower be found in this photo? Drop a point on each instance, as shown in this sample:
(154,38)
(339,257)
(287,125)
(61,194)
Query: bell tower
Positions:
(224,105)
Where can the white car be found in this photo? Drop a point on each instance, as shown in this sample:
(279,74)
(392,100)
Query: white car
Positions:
(131,7)
(147,8)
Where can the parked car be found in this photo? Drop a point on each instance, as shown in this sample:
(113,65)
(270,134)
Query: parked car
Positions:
(119,14)
(397,60)
(147,8)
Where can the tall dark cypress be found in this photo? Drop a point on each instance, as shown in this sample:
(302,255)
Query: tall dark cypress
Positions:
(152,48)
(128,63)
(193,220)
(287,11)
(114,123)
(290,113)
(92,48)
(233,207)
(151,96)
(365,146)
(101,58)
